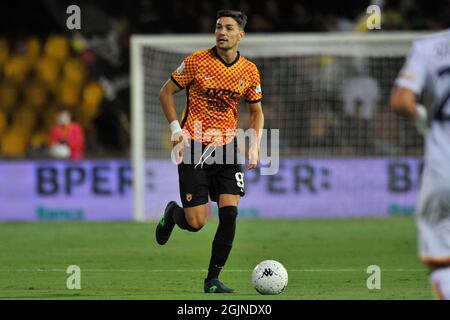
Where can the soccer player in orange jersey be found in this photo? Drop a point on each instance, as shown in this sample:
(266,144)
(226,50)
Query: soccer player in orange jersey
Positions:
(215,79)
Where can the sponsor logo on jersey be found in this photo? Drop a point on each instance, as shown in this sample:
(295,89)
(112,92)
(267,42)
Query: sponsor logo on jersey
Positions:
(218,93)
(180,68)
(217,105)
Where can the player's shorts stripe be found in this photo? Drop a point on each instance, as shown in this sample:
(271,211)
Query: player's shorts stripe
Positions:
(253,101)
(187,108)
(176,82)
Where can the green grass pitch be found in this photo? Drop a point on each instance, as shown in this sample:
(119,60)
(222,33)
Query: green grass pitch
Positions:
(325,259)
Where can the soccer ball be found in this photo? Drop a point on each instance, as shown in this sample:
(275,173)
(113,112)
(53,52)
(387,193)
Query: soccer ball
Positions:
(269,277)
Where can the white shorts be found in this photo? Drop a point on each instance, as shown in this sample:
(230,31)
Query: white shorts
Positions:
(433,219)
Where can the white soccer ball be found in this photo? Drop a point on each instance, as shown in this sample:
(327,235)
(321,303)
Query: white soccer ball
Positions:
(269,277)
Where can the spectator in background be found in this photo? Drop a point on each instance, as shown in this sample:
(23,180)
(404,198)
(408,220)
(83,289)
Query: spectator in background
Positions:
(66,140)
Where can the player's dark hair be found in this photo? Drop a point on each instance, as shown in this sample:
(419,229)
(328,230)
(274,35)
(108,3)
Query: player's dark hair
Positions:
(238,16)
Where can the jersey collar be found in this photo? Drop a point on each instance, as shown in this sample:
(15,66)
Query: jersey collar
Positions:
(214,50)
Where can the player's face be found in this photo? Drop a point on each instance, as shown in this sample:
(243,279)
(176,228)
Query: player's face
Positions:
(228,34)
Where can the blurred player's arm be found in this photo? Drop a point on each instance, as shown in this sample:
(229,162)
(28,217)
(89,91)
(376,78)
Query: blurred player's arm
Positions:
(168,90)
(179,80)
(253,96)
(257,124)
(408,85)
(167,100)
(404,102)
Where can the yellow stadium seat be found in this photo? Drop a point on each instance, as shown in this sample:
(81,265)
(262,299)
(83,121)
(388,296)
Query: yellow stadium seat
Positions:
(3,122)
(91,99)
(74,71)
(39,139)
(25,119)
(57,47)
(14,143)
(47,70)
(49,117)
(8,96)
(16,69)
(81,118)
(68,94)
(36,95)
(33,48)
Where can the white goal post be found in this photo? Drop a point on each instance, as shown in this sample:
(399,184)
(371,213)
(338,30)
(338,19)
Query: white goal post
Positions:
(318,90)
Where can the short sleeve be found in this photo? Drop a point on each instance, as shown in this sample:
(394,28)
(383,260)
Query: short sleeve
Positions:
(254,92)
(185,73)
(413,74)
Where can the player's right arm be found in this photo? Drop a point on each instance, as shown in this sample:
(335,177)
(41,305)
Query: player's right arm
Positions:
(167,100)
(179,80)
(168,90)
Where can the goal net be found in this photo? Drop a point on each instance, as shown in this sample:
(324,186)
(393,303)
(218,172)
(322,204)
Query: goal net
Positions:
(328,95)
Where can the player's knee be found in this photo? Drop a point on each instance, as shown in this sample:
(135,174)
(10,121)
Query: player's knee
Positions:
(229,200)
(198,224)
(195,223)
(201,222)
(228,214)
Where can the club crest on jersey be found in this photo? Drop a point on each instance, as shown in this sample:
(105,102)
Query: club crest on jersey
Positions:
(188,197)
(241,83)
(180,68)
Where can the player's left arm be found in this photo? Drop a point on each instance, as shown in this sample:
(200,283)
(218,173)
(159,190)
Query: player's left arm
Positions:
(253,97)
(257,126)
(403,102)
(408,85)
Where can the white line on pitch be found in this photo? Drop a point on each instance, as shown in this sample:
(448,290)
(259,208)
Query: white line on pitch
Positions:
(203,270)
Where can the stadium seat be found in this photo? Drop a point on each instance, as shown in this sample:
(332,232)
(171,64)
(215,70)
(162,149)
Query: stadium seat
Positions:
(14,143)
(33,49)
(39,139)
(16,69)
(3,122)
(57,47)
(40,72)
(74,70)
(49,117)
(68,94)
(36,95)
(8,96)
(25,119)
(47,70)
(91,99)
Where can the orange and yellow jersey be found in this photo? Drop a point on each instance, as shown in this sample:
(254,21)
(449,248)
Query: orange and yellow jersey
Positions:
(213,89)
